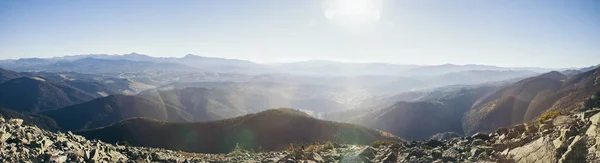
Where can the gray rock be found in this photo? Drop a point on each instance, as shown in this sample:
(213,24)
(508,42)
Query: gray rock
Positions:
(481,136)
(17,122)
(502,131)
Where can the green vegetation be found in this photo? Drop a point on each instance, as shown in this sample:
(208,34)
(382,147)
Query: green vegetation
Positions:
(549,115)
(237,151)
(379,143)
(328,145)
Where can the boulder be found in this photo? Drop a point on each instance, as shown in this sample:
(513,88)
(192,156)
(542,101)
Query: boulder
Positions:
(481,136)
(501,131)
(434,143)
(520,128)
(477,142)
(367,152)
(17,122)
(531,129)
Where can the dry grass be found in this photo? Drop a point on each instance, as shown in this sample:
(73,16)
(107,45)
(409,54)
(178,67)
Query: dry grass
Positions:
(549,115)
(379,143)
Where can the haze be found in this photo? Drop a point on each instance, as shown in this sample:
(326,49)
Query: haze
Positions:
(533,33)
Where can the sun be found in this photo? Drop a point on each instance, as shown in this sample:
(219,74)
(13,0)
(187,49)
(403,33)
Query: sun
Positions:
(352,10)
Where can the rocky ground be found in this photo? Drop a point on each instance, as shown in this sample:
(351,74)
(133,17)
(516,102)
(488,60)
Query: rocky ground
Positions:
(567,138)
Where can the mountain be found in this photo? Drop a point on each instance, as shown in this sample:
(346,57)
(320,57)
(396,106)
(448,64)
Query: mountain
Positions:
(451,68)
(480,76)
(250,97)
(526,100)
(96,84)
(230,100)
(6,75)
(107,110)
(586,69)
(273,129)
(216,64)
(93,65)
(33,94)
(423,95)
(436,112)
(29,119)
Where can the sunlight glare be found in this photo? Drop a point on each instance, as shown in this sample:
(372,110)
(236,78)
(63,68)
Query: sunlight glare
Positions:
(353,10)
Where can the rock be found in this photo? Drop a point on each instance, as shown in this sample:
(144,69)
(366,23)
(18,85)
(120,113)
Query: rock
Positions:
(481,136)
(444,136)
(520,128)
(512,134)
(389,157)
(4,136)
(531,129)
(477,142)
(58,158)
(434,143)
(577,150)
(367,152)
(567,132)
(17,122)
(540,150)
(501,131)
(315,157)
(499,146)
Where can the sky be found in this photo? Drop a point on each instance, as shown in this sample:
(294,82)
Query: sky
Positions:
(517,33)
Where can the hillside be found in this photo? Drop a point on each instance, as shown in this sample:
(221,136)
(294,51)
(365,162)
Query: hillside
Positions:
(6,75)
(252,131)
(33,94)
(227,100)
(526,100)
(436,111)
(39,121)
(107,110)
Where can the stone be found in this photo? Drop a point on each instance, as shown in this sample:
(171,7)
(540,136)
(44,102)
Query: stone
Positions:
(315,157)
(512,134)
(4,136)
(434,143)
(481,136)
(477,142)
(546,126)
(58,158)
(17,122)
(499,146)
(532,129)
(566,133)
(367,152)
(520,128)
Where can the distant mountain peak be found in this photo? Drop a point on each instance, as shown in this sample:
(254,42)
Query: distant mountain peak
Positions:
(192,56)
(553,75)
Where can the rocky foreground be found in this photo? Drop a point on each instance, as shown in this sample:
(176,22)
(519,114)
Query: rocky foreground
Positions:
(566,138)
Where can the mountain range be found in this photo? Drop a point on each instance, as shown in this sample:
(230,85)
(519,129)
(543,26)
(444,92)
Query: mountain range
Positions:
(124,98)
(138,62)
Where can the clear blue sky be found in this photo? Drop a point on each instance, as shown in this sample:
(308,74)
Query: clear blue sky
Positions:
(543,33)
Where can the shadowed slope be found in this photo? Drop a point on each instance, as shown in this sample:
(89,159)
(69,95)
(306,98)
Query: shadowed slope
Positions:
(33,94)
(111,109)
(272,129)
(6,75)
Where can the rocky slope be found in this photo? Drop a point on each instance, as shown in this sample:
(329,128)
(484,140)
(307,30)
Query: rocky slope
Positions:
(574,137)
